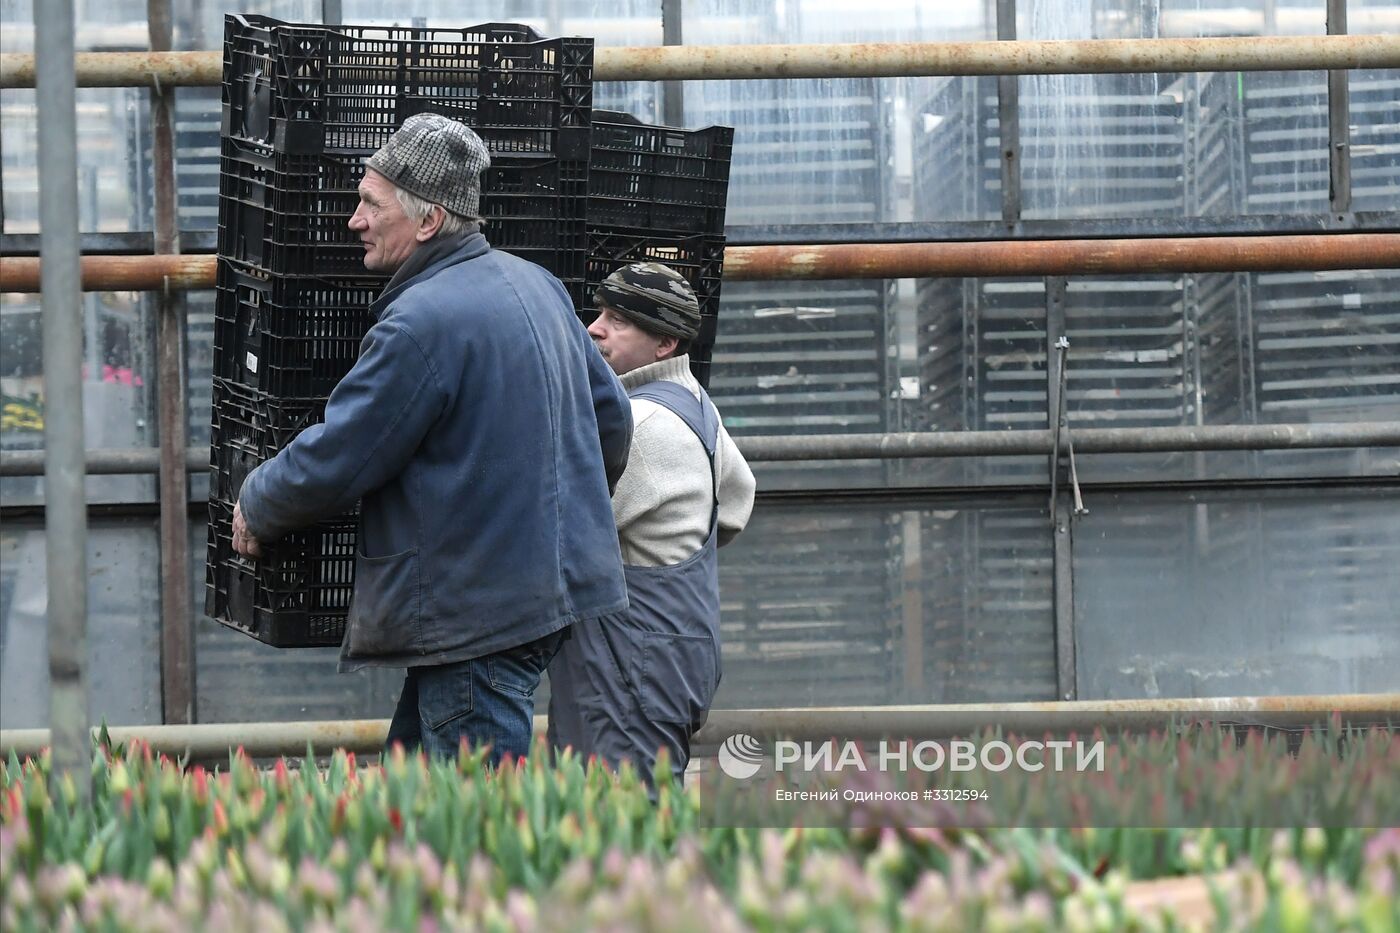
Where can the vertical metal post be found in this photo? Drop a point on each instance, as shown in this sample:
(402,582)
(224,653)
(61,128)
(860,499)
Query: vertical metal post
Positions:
(1009,122)
(331,13)
(912,600)
(672,92)
(2,190)
(90,217)
(176,618)
(65,499)
(1338,118)
(1067,687)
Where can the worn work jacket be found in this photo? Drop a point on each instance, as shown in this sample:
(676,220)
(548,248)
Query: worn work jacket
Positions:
(481,431)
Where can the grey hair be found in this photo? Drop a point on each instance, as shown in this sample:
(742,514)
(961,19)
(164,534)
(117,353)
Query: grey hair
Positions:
(417,208)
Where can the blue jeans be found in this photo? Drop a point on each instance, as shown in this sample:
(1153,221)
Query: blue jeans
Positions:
(489,699)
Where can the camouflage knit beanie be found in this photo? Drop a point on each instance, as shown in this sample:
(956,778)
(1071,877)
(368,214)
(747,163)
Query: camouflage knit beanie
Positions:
(438,159)
(655,297)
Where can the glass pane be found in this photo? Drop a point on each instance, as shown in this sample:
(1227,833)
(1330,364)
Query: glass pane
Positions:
(981,367)
(113,159)
(956,140)
(118,387)
(1180,597)
(1160,351)
(1102,145)
(199,363)
(810,151)
(1375,125)
(123,656)
(826,606)
(239,679)
(1375,137)
(806,358)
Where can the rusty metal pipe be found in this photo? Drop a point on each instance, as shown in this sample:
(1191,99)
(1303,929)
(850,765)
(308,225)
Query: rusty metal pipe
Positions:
(118,273)
(1063,257)
(1023,57)
(271,739)
(847,60)
(125,69)
(1312,252)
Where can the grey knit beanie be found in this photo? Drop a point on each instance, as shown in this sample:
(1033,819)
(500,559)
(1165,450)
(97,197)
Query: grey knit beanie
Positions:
(438,159)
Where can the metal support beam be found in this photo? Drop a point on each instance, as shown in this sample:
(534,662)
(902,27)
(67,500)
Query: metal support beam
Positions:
(65,514)
(878,260)
(914,622)
(205,241)
(900,446)
(1086,441)
(672,92)
(1062,527)
(1338,118)
(176,629)
(108,461)
(1009,121)
(857,60)
(1063,257)
(214,741)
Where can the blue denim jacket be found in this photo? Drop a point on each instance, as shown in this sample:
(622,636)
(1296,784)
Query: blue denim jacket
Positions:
(482,432)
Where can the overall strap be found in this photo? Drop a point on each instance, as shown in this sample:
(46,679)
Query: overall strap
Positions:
(699,415)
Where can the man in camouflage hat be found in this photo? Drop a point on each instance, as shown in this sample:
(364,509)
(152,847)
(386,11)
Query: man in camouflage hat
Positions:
(627,685)
(481,432)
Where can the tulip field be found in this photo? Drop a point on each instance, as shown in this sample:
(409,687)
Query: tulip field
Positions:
(540,845)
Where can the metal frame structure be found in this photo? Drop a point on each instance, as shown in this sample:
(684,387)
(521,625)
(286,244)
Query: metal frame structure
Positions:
(176,624)
(1339,239)
(64,477)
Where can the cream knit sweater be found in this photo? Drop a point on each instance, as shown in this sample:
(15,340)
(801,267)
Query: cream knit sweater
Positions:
(662,502)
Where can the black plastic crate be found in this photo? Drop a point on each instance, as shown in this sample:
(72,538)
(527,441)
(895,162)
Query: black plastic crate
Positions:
(658,177)
(248,428)
(297,595)
(290,214)
(534,209)
(309,88)
(293,337)
(698,257)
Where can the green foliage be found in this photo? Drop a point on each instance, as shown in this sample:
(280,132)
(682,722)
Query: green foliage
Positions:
(543,844)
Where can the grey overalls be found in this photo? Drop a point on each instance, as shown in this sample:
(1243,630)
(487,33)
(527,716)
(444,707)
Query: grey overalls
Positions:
(625,685)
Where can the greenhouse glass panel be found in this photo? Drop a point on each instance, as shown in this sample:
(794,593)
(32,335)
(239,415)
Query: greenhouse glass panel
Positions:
(123,625)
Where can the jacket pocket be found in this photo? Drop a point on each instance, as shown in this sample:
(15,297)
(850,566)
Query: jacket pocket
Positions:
(676,681)
(384,611)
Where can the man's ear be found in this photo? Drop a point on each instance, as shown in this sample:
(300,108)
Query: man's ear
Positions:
(429,226)
(667,346)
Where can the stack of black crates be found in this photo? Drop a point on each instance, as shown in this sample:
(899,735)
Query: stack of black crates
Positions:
(578,192)
(658,194)
(303,106)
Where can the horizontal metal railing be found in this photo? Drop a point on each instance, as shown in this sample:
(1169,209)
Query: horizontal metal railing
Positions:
(843,60)
(1306,252)
(213,741)
(898,446)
